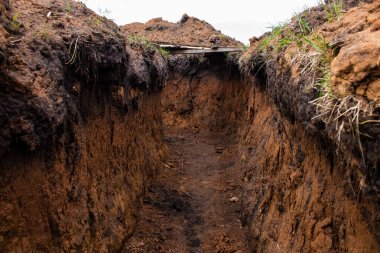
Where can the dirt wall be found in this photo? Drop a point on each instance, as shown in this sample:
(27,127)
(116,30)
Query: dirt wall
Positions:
(81,130)
(311,181)
(299,196)
(207,95)
(81,191)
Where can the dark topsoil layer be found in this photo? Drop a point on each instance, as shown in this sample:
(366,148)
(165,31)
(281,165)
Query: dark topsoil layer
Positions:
(48,59)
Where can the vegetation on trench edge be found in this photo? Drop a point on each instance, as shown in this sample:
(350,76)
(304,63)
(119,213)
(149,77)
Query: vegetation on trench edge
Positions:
(313,54)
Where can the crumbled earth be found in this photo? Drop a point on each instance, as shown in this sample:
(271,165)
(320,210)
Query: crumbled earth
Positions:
(189,31)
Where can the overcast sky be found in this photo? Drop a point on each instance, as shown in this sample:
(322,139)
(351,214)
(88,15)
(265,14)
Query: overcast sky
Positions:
(240,19)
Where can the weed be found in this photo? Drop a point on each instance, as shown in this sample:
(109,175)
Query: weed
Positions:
(68,7)
(274,39)
(104,12)
(95,20)
(303,25)
(245,48)
(45,32)
(164,53)
(202,59)
(137,40)
(313,56)
(15,23)
(343,114)
(333,9)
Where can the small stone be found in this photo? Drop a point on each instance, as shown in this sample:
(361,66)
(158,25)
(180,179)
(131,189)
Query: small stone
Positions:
(234,199)
(219,150)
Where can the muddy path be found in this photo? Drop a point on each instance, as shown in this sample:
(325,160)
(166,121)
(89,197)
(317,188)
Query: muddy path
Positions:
(194,205)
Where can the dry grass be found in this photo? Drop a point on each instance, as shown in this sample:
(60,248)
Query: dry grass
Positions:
(312,55)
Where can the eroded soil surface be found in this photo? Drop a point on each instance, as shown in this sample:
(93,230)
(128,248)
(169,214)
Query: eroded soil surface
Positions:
(193,206)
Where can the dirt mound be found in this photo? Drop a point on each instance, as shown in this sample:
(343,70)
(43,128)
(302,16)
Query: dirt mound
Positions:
(189,31)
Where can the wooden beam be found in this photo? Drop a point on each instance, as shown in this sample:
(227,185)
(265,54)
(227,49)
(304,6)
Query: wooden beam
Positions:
(179,49)
(167,46)
(205,51)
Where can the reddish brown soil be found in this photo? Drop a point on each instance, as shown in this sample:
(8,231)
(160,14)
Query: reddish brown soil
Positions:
(79,140)
(298,195)
(306,187)
(188,209)
(189,31)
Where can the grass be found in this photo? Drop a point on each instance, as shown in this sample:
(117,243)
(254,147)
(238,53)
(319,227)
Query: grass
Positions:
(303,24)
(333,9)
(274,39)
(68,7)
(164,53)
(313,56)
(95,20)
(45,32)
(15,22)
(136,40)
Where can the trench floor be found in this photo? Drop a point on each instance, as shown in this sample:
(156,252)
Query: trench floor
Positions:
(194,205)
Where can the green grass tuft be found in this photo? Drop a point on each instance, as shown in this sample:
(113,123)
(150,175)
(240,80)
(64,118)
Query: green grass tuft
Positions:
(164,53)
(333,9)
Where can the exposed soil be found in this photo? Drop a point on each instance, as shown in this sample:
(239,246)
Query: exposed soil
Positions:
(189,31)
(188,208)
(81,136)
(107,146)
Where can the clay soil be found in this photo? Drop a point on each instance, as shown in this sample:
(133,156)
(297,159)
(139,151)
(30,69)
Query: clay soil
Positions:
(188,208)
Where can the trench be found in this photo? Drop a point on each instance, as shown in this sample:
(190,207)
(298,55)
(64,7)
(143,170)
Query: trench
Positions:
(109,145)
(194,205)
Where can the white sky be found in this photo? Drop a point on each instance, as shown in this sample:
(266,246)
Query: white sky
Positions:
(240,19)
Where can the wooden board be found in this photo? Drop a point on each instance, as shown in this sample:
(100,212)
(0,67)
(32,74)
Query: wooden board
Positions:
(178,49)
(205,51)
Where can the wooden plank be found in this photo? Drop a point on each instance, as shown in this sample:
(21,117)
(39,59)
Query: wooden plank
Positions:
(167,46)
(205,50)
(181,49)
